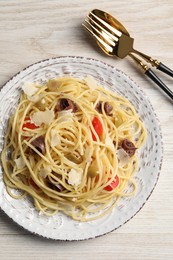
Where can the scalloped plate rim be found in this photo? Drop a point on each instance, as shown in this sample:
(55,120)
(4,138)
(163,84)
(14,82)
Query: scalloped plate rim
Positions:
(141,92)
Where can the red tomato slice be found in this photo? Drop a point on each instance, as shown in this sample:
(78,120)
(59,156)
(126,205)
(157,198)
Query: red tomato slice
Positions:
(93,136)
(113,184)
(97,127)
(28,124)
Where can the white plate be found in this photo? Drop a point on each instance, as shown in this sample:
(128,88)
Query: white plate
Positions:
(61,227)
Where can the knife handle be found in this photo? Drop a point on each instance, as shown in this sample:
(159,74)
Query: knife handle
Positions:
(165,69)
(160,83)
(155,63)
(152,75)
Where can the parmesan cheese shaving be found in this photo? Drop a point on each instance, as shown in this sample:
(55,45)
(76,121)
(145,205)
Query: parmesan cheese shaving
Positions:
(42,117)
(65,116)
(55,140)
(88,154)
(29,89)
(74,177)
(123,157)
(108,141)
(65,113)
(34,98)
(20,163)
(91,82)
(45,172)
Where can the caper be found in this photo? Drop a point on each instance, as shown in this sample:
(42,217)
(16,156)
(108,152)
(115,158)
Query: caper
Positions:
(93,170)
(118,120)
(41,104)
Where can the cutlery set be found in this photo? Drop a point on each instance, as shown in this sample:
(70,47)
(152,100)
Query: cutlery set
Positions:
(114,39)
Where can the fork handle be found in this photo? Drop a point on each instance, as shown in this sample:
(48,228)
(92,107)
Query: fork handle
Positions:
(155,63)
(165,69)
(152,75)
(160,83)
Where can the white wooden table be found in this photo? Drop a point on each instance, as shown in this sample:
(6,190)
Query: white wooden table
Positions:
(34,30)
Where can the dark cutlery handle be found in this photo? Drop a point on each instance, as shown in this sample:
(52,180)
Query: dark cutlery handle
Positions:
(165,69)
(154,78)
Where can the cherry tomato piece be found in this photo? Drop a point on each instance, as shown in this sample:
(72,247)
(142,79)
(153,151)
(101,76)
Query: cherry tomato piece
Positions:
(97,127)
(113,184)
(28,124)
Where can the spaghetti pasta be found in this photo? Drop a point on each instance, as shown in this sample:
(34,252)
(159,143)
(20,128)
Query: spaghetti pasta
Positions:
(71,145)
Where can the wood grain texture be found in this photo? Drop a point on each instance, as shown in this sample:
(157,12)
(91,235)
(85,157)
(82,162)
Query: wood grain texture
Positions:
(35,30)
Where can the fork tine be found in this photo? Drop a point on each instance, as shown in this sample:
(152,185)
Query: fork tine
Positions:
(108,26)
(105,36)
(103,29)
(101,42)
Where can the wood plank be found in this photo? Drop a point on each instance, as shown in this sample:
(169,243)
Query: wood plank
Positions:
(133,246)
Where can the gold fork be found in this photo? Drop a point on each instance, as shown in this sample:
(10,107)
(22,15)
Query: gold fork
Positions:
(116,41)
